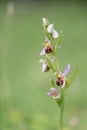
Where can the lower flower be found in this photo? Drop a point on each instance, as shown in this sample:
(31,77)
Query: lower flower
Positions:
(54,93)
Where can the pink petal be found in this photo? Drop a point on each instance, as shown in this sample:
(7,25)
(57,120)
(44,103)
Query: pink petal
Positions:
(66,71)
(49,94)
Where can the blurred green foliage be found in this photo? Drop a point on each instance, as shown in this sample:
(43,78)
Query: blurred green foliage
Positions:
(26,1)
(24,104)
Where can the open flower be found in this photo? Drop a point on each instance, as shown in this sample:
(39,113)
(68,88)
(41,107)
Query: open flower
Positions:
(54,93)
(48,47)
(61,79)
(52,31)
(45,66)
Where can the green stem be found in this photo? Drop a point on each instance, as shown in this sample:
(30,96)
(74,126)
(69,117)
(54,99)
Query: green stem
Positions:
(61,108)
(56,61)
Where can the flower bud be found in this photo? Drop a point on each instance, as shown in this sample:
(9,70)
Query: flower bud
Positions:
(45,22)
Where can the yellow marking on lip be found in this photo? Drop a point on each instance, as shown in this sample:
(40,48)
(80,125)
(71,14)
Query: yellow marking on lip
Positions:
(47,44)
(59,76)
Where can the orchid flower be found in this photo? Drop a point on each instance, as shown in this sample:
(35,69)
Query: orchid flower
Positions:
(52,31)
(61,79)
(45,66)
(48,47)
(54,93)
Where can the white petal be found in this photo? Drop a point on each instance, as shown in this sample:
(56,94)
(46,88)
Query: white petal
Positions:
(50,28)
(44,21)
(58,96)
(53,89)
(64,83)
(55,34)
(44,67)
(42,52)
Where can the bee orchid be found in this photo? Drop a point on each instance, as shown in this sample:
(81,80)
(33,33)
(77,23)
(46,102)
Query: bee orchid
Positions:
(61,78)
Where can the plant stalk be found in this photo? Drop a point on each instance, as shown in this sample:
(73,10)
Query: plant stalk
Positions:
(61,108)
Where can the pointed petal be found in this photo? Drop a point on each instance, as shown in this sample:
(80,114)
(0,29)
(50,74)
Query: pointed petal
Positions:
(64,82)
(50,28)
(44,21)
(44,66)
(66,71)
(42,52)
(55,34)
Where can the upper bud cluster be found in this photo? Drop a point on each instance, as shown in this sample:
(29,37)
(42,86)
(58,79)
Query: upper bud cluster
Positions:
(50,28)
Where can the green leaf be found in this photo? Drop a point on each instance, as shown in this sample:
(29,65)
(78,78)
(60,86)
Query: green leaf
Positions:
(68,82)
(74,75)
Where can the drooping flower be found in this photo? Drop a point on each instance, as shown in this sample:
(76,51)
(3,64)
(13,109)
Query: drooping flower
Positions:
(48,48)
(45,66)
(52,31)
(54,93)
(61,78)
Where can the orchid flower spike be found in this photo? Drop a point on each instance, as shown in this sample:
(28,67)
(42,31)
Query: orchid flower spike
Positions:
(61,79)
(52,31)
(54,93)
(45,66)
(48,47)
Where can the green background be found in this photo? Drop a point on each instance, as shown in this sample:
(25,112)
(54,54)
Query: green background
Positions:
(24,104)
